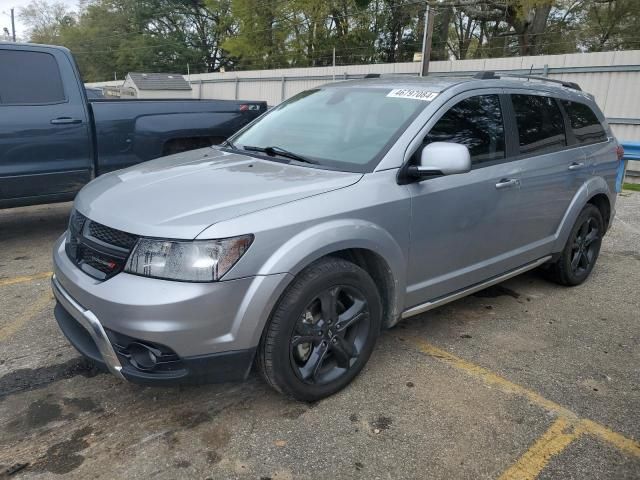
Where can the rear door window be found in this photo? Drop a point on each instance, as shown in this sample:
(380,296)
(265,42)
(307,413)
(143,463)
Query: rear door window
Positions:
(584,123)
(29,78)
(475,122)
(540,124)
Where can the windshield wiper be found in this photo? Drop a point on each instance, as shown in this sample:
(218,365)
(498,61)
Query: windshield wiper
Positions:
(273,150)
(229,144)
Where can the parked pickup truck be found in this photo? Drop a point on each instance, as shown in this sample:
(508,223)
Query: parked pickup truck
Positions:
(53,140)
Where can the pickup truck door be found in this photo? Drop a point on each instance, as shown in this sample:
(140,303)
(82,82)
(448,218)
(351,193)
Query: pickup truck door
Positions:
(45,137)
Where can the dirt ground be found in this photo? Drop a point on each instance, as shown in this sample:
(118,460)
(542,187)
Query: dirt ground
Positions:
(523,380)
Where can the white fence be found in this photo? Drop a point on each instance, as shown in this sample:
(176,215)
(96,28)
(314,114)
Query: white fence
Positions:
(612,77)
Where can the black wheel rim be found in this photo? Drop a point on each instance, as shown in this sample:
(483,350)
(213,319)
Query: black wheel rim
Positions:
(330,335)
(584,247)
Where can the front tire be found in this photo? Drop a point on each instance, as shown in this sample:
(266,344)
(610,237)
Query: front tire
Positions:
(322,331)
(581,250)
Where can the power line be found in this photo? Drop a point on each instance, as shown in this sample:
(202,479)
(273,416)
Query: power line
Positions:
(319,54)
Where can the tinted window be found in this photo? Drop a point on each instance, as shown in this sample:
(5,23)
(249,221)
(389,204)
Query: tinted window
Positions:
(540,124)
(29,77)
(475,122)
(584,123)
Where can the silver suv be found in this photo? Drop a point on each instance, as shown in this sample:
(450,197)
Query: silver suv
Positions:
(340,212)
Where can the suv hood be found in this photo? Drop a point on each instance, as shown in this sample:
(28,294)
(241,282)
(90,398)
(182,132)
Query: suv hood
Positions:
(181,195)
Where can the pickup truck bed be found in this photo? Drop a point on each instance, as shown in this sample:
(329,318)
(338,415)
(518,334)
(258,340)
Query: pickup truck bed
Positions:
(133,131)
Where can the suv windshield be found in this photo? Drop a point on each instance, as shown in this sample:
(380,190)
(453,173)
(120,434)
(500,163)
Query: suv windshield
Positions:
(343,128)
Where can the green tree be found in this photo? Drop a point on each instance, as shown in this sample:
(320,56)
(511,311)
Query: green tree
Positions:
(45,21)
(609,25)
(260,34)
(110,36)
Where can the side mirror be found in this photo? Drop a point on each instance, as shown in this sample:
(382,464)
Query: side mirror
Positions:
(442,158)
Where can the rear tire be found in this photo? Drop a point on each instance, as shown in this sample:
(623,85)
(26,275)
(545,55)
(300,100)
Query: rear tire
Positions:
(581,250)
(322,331)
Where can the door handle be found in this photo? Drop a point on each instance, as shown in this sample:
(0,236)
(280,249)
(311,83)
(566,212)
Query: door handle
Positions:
(576,165)
(507,183)
(65,121)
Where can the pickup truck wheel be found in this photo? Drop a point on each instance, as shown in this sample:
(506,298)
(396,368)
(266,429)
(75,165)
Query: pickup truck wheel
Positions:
(581,250)
(322,331)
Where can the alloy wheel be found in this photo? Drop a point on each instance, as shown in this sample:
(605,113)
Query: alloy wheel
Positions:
(584,247)
(329,335)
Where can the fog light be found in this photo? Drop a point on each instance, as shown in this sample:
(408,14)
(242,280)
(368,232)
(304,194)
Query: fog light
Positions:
(143,357)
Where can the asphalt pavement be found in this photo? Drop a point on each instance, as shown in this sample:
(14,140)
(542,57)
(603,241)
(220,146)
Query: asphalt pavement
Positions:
(523,380)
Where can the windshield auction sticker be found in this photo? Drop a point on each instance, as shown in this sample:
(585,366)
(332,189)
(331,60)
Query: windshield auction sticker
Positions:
(413,94)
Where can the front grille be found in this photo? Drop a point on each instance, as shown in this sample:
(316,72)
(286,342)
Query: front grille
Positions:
(98,250)
(112,236)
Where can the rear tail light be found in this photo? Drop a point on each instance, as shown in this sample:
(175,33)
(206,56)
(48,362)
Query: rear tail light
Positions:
(245,107)
(620,152)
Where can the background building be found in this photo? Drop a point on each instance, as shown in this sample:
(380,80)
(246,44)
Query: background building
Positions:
(155,85)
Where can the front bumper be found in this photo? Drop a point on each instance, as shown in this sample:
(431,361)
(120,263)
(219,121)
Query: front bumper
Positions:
(99,349)
(212,328)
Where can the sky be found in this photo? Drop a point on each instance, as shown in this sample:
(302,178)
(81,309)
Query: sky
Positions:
(5,14)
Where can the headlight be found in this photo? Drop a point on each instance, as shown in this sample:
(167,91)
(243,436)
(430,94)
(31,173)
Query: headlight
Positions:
(191,261)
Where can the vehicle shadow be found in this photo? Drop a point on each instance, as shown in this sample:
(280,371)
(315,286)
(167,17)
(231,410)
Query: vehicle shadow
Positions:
(509,298)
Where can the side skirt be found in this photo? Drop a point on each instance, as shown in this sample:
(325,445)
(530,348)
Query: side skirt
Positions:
(424,307)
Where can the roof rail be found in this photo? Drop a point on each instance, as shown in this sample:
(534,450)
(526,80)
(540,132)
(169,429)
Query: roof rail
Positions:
(488,74)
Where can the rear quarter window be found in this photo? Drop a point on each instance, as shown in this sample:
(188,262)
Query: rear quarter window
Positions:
(540,124)
(29,78)
(584,123)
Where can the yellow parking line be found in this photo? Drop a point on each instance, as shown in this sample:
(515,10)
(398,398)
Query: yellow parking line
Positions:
(28,314)
(29,278)
(492,378)
(621,442)
(558,437)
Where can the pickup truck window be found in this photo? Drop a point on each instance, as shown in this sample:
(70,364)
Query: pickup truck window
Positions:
(343,128)
(29,78)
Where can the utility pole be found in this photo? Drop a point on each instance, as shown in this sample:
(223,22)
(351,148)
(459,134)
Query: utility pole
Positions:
(334,64)
(427,38)
(13,25)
